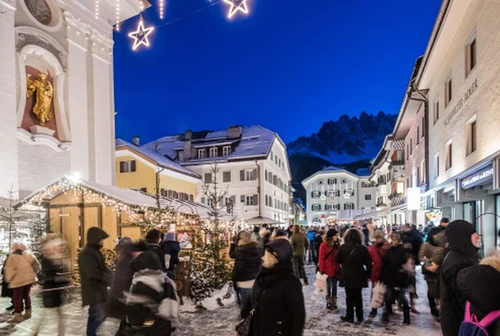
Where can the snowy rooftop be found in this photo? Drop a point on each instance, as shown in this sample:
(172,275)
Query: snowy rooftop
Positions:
(161,160)
(330,168)
(255,141)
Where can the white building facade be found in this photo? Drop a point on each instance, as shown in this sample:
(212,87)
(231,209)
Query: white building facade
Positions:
(461,73)
(251,163)
(336,194)
(56,49)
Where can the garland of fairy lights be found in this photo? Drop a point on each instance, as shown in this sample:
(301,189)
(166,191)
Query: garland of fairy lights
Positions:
(140,36)
(135,213)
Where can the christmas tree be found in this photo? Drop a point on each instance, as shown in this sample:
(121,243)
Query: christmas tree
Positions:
(210,265)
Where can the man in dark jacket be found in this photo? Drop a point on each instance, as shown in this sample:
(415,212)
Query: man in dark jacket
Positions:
(462,254)
(95,278)
(171,249)
(154,238)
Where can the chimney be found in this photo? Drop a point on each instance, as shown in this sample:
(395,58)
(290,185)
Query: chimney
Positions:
(136,140)
(188,148)
(234,132)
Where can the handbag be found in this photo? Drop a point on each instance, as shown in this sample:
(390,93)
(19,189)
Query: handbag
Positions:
(244,328)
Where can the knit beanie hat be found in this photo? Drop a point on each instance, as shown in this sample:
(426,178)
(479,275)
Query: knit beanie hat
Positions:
(331,233)
(281,249)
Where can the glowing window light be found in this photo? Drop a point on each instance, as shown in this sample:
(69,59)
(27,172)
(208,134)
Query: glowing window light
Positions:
(236,5)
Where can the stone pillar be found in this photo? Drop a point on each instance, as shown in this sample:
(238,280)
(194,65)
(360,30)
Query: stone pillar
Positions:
(9,177)
(77,36)
(102,114)
(488,224)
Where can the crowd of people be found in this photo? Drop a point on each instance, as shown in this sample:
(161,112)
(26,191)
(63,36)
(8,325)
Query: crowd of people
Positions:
(268,277)
(352,257)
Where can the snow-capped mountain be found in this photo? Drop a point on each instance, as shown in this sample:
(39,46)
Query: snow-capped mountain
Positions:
(346,140)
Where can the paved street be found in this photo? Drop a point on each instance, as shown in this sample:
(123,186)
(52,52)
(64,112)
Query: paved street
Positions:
(220,322)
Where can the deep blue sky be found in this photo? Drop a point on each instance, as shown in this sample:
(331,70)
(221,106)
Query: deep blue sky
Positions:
(289,65)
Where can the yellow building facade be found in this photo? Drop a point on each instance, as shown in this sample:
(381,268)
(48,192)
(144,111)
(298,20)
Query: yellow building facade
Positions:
(138,168)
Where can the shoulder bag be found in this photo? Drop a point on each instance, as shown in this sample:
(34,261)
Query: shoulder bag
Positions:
(244,328)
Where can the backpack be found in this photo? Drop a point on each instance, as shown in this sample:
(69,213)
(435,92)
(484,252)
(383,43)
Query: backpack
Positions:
(472,327)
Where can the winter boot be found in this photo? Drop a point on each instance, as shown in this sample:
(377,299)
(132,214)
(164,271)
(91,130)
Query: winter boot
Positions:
(17,318)
(27,314)
(373,313)
(406,316)
(328,302)
(334,303)
(9,308)
(359,316)
(347,319)
(385,318)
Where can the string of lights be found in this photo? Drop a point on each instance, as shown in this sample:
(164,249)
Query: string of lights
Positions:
(96,9)
(117,15)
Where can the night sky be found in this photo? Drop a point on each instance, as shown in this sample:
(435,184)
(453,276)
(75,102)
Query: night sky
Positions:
(289,65)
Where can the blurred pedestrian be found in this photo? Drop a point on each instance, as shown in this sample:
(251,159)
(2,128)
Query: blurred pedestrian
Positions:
(20,273)
(299,244)
(171,249)
(95,279)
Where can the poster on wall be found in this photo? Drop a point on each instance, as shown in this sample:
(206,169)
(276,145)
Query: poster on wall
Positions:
(185,239)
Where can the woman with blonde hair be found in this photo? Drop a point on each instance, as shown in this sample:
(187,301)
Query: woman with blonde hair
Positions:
(247,254)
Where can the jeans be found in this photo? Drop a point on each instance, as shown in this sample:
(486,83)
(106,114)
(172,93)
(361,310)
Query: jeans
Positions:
(331,286)
(400,298)
(298,267)
(312,252)
(353,300)
(19,295)
(244,295)
(96,318)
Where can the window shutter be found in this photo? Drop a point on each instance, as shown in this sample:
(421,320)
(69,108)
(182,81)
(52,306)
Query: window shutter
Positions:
(312,194)
(255,201)
(254,174)
(233,200)
(242,175)
(265,175)
(122,166)
(133,166)
(242,199)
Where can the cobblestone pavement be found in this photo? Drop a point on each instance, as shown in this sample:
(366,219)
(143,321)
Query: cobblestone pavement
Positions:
(221,322)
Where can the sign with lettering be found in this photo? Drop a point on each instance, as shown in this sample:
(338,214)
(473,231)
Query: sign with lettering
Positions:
(480,177)
(461,103)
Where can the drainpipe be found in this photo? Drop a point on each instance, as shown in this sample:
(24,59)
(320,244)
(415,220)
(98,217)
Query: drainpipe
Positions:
(258,188)
(423,98)
(158,204)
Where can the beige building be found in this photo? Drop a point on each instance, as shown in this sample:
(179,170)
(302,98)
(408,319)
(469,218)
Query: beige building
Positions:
(460,76)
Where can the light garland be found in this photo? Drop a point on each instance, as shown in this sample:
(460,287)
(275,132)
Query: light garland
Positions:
(236,6)
(140,36)
(161,5)
(96,9)
(117,15)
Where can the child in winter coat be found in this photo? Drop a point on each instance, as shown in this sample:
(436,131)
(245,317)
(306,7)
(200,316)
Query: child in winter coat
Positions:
(327,265)
(152,303)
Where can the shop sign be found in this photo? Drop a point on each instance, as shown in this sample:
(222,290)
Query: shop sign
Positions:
(480,177)
(413,198)
(461,102)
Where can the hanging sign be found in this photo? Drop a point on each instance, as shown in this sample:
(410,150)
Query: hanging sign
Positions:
(480,177)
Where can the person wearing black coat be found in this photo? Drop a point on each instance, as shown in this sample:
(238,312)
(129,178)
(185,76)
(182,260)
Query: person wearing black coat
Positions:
(277,295)
(247,259)
(395,277)
(413,238)
(356,265)
(171,249)
(463,246)
(479,286)
(95,278)
(154,238)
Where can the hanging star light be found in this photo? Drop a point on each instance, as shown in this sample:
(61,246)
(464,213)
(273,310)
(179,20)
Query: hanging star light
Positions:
(236,5)
(140,36)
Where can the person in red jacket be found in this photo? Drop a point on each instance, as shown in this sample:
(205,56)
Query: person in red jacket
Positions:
(327,265)
(377,252)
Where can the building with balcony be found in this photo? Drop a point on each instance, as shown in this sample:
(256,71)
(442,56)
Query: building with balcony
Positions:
(334,194)
(249,162)
(460,79)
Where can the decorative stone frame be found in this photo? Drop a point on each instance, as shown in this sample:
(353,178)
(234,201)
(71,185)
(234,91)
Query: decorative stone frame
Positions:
(57,17)
(36,48)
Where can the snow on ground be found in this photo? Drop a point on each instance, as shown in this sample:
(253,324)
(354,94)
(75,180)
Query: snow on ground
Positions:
(220,321)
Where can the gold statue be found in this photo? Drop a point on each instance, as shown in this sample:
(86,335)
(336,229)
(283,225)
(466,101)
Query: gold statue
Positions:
(44,95)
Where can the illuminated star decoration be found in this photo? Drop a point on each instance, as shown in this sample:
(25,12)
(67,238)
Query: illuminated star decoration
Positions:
(347,194)
(236,5)
(140,36)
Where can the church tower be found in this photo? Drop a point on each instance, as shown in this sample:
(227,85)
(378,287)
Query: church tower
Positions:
(56,90)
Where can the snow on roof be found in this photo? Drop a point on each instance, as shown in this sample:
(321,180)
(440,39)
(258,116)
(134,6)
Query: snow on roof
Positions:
(256,141)
(331,168)
(160,159)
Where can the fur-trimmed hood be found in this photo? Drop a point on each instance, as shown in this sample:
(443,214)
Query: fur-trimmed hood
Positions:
(493,261)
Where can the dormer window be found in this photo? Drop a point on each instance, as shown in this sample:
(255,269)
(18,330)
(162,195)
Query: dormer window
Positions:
(226,150)
(332,181)
(213,152)
(202,153)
